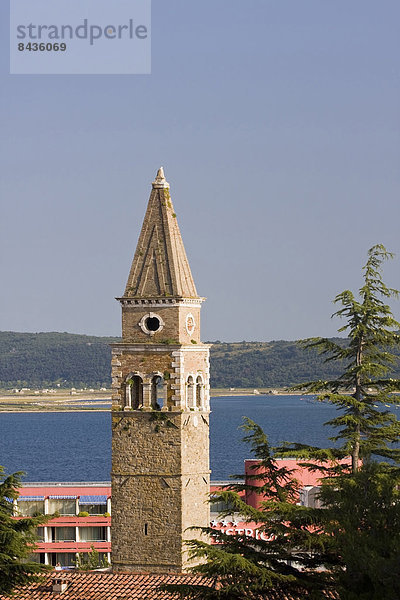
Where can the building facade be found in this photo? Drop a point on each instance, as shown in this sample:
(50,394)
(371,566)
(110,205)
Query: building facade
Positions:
(82,519)
(160,413)
(84,513)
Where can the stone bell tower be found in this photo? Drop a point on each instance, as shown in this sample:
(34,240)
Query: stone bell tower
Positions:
(160,412)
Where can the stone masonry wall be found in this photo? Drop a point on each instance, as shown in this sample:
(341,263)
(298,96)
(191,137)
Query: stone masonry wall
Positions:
(160,481)
(173,317)
(173,362)
(160,460)
(196,475)
(142,359)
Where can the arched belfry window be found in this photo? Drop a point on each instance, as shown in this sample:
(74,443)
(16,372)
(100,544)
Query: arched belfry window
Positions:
(199,392)
(157,392)
(133,391)
(190,392)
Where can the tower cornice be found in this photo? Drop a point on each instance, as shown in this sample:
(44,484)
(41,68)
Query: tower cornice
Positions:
(153,302)
(159,347)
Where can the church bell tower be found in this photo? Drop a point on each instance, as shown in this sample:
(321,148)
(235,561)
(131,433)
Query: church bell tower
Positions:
(160,411)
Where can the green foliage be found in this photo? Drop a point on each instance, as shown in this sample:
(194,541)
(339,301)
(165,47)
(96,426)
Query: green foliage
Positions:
(266,364)
(362,516)
(17,539)
(88,561)
(361,392)
(352,544)
(46,359)
(161,419)
(350,547)
(239,567)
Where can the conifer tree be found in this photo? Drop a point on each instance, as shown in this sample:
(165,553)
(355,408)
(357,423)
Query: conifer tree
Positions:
(361,517)
(17,539)
(361,392)
(355,536)
(361,514)
(287,555)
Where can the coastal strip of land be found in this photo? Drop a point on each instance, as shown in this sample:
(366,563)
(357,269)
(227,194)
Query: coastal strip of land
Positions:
(27,400)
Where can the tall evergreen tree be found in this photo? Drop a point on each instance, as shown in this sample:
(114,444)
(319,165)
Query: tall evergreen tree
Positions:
(17,539)
(285,558)
(361,393)
(355,537)
(361,516)
(361,501)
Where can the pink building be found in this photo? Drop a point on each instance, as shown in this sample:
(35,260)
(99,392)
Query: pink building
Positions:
(84,513)
(309,481)
(84,519)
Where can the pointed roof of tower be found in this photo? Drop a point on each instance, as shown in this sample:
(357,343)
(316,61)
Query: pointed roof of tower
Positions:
(160,266)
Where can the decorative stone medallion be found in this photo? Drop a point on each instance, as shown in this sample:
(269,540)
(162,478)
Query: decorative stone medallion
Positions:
(190,323)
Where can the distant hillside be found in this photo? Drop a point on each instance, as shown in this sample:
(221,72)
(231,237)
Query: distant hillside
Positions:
(48,359)
(267,364)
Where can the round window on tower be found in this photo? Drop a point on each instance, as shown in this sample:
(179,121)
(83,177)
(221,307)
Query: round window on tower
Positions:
(151,323)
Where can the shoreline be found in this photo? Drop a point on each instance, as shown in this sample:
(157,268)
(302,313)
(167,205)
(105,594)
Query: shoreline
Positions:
(91,402)
(63,402)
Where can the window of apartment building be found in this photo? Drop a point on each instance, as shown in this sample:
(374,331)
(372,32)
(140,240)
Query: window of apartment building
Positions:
(64,505)
(102,556)
(30,506)
(40,534)
(36,557)
(93,534)
(66,559)
(217,507)
(63,534)
(309,496)
(94,505)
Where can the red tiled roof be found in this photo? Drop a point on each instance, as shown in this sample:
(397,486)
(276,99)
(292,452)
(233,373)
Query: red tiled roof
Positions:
(118,586)
(103,586)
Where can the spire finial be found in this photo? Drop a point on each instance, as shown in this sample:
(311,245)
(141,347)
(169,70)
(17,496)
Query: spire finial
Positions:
(160,181)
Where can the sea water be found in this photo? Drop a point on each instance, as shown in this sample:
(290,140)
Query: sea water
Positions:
(76,446)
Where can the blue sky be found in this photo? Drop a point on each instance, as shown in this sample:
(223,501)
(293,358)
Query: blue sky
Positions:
(278,127)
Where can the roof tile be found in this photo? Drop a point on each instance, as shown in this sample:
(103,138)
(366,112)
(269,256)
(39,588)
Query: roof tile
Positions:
(119,586)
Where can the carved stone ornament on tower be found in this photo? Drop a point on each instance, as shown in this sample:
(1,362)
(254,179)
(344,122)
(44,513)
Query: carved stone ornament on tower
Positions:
(160,413)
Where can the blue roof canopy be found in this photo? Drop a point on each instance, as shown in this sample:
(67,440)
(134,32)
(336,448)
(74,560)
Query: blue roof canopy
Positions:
(93,500)
(30,498)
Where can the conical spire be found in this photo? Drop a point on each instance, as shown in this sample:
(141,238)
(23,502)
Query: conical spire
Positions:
(160,267)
